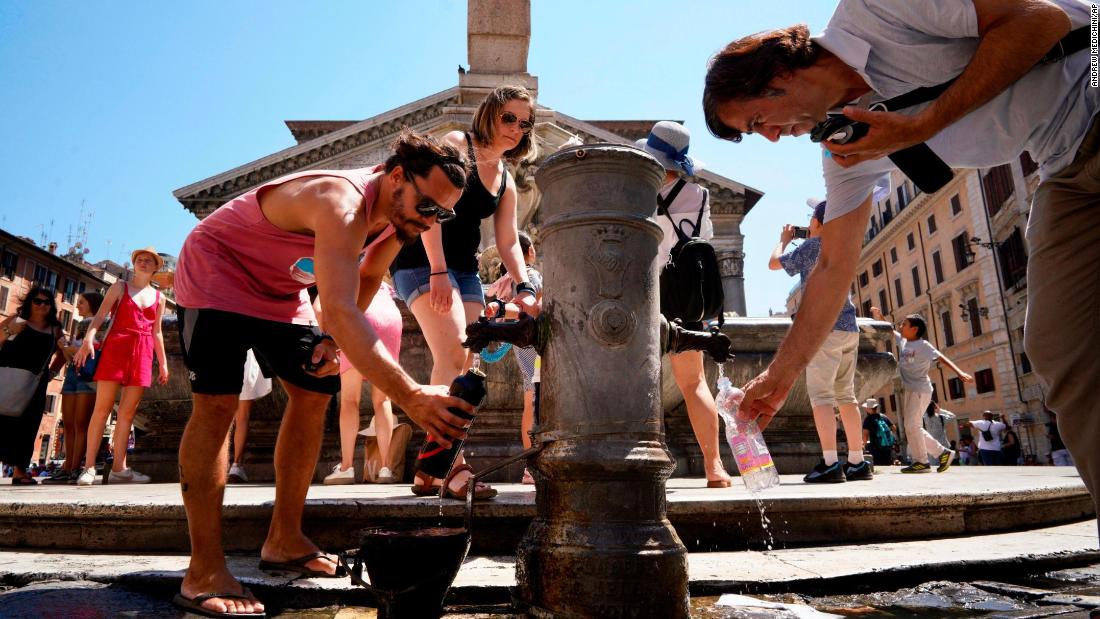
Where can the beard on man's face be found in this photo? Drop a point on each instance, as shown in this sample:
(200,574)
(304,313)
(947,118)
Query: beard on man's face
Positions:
(406,229)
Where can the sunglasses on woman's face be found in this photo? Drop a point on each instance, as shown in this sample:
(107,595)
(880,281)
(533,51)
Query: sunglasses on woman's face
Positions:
(509,118)
(40,301)
(426,207)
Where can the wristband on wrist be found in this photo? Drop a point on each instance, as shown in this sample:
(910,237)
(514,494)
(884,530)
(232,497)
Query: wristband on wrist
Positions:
(437,273)
(523,287)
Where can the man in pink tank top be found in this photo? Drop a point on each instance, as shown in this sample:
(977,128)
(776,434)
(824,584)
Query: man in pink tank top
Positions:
(241,283)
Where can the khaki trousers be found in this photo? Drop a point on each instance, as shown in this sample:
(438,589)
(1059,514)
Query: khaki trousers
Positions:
(1062,330)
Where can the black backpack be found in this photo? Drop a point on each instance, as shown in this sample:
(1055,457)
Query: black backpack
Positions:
(691,283)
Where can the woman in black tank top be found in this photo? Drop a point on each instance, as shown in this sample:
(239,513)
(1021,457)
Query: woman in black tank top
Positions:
(436,275)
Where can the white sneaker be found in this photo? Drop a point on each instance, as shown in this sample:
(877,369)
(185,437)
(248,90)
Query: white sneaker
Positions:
(127,476)
(237,475)
(385,476)
(339,477)
(87,477)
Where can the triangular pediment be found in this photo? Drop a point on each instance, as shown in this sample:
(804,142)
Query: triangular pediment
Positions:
(328,144)
(202,197)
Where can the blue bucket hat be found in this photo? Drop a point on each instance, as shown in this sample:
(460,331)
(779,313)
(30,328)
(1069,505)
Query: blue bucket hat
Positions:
(668,142)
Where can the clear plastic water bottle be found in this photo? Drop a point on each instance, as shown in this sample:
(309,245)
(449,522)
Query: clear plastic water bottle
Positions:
(746,441)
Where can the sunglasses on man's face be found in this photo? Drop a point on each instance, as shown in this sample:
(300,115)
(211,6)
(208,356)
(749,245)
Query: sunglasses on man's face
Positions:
(509,118)
(40,301)
(426,207)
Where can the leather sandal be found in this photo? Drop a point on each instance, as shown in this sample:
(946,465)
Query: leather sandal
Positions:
(424,489)
(481,491)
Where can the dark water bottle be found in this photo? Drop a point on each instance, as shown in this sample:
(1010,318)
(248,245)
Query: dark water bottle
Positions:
(435,459)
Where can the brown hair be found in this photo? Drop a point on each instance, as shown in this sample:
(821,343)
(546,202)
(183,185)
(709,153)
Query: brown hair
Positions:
(94,300)
(418,153)
(745,67)
(488,111)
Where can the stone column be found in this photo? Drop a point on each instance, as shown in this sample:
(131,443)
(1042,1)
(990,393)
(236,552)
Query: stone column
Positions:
(601,545)
(731,264)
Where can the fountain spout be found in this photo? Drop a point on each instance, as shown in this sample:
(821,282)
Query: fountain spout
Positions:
(675,338)
(523,333)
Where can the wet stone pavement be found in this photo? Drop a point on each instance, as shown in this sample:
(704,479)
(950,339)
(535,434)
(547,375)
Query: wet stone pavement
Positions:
(1066,594)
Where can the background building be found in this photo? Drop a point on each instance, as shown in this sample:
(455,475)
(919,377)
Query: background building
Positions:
(958,258)
(24,264)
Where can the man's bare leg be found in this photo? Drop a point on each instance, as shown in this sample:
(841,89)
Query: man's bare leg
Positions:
(202,456)
(296,453)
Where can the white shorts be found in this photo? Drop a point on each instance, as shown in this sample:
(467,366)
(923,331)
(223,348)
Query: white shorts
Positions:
(830,377)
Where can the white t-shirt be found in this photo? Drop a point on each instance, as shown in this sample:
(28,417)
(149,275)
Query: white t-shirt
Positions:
(684,210)
(899,45)
(995,428)
(915,358)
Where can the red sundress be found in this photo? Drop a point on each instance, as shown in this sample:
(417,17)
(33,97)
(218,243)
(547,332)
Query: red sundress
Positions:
(126,356)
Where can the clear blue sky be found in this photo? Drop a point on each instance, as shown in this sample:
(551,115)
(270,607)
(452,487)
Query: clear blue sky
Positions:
(116,104)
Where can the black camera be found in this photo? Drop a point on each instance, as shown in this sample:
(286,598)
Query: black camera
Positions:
(838,129)
(927,171)
(801,232)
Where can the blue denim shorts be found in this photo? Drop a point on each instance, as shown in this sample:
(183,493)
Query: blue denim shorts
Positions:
(411,283)
(73,383)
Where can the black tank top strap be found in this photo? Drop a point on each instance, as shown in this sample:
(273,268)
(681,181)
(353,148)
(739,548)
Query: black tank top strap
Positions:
(503,185)
(470,151)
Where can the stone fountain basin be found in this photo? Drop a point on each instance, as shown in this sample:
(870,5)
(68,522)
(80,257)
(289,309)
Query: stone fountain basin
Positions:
(964,500)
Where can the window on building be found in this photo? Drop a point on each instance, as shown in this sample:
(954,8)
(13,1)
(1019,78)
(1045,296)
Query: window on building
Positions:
(863,279)
(887,211)
(948,329)
(1013,257)
(998,187)
(867,309)
(3,299)
(897,293)
(955,390)
(963,256)
(893,255)
(910,241)
(8,262)
(916,282)
(983,381)
(882,404)
(882,304)
(893,403)
(66,319)
(51,281)
(956,205)
(903,196)
(51,403)
(1027,164)
(1025,364)
(937,266)
(70,291)
(931,225)
(975,317)
(876,268)
(40,274)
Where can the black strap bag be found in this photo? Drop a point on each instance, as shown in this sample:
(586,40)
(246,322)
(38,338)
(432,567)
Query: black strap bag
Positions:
(691,282)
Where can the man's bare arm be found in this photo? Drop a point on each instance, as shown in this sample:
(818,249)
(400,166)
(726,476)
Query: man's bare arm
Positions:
(826,289)
(338,240)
